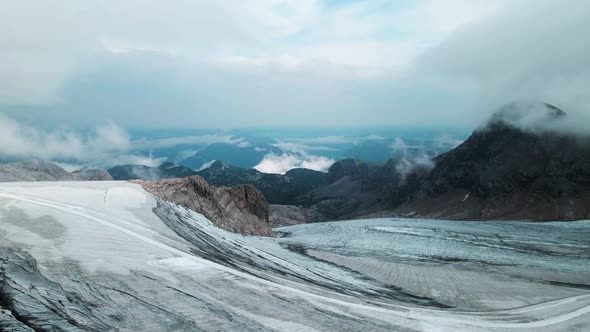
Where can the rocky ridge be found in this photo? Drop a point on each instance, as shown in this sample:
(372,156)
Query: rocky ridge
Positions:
(241,209)
(36,170)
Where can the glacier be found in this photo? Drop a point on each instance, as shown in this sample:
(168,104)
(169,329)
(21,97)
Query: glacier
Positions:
(107,256)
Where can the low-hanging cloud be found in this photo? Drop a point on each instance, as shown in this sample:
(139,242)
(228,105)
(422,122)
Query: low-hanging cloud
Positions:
(191,140)
(406,166)
(538,117)
(296,155)
(104,146)
(281,163)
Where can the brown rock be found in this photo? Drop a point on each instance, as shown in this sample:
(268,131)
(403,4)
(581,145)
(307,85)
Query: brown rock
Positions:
(240,209)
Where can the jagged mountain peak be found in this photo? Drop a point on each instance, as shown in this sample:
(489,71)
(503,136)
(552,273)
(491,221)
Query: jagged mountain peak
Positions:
(527,115)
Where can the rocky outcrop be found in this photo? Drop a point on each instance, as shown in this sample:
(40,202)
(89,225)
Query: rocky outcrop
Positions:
(241,209)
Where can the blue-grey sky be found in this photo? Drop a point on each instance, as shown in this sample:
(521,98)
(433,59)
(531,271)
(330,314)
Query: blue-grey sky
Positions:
(265,63)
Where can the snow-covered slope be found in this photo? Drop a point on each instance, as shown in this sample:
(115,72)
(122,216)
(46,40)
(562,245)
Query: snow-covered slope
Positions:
(108,256)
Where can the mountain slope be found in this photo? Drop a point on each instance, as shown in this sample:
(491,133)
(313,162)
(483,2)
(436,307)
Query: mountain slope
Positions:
(241,209)
(521,164)
(36,170)
(505,170)
(238,155)
(292,188)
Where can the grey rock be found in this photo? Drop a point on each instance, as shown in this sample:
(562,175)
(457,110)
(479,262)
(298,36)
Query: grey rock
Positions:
(33,171)
(37,170)
(241,209)
(92,174)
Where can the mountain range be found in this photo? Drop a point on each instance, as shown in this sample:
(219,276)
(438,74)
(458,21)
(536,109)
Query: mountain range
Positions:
(508,168)
(502,171)
(36,170)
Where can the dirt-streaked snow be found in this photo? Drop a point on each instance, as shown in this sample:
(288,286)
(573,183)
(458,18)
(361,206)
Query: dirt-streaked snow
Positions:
(128,262)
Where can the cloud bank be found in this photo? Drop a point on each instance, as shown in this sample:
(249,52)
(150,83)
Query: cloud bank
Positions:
(281,163)
(282,62)
(99,146)
(102,146)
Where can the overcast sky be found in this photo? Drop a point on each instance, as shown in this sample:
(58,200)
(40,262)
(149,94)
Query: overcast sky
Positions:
(262,63)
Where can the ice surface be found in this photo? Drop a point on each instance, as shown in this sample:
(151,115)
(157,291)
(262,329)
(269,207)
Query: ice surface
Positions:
(109,254)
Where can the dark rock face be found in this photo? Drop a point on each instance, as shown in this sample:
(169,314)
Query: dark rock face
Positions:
(506,172)
(141,172)
(240,209)
(359,188)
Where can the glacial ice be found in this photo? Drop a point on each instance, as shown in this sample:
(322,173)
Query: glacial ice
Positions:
(108,256)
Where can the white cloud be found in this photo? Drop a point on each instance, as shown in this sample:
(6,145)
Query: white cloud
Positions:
(190,140)
(400,144)
(300,148)
(446,141)
(373,138)
(406,165)
(132,159)
(206,165)
(70,36)
(18,140)
(103,146)
(280,164)
(324,140)
(276,62)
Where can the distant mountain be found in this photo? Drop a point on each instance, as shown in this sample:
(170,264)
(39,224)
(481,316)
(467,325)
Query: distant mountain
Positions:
(513,167)
(241,156)
(142,172)
(36,170)
(291,188)
(350,188)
